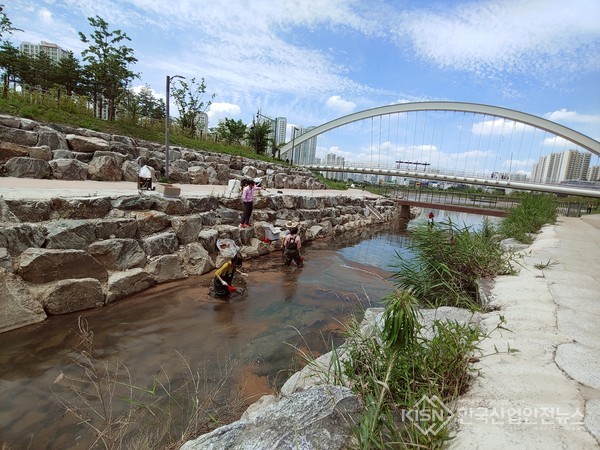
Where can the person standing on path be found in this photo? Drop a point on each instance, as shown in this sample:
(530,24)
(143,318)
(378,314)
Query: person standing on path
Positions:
(248,201)
(291,248)
(430,217)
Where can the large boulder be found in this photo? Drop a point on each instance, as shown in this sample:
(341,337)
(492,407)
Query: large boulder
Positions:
(41,265)
(105,168)
(67,296)
(19,306)
(118,254)
(9,150)
(165,268)
(122,284)
(25,167)
(20,237)
(70,234)
(69,169)
(319,417)
(85,144)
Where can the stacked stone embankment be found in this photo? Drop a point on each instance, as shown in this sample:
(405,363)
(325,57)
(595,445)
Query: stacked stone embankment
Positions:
(62,255)
(30,149)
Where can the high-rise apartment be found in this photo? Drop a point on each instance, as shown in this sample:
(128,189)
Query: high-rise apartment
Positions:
(557,167)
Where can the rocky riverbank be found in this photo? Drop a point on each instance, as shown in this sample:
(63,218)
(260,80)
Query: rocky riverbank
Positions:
(60,255)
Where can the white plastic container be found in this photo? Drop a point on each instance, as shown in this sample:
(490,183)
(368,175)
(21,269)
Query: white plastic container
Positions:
(272,233)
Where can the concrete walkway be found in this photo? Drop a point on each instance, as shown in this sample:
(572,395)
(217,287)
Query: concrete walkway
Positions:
(29,188)
(546,394)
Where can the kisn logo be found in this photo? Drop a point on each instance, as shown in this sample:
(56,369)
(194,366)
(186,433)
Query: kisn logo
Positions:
(429,416)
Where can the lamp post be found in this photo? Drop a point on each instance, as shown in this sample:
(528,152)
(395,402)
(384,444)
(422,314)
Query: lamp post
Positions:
(294,129)
(168,96)
(274,127)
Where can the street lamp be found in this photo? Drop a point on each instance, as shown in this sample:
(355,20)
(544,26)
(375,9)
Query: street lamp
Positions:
(294,129)
(273,130)
(168,95)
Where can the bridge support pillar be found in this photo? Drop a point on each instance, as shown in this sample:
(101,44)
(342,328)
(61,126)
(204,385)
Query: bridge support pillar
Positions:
(405,212)
(404,217)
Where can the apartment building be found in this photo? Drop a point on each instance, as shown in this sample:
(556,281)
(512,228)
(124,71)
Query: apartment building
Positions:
(558,167)
(54,52)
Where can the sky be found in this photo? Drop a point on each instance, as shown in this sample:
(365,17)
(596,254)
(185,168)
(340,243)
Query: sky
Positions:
(314,61)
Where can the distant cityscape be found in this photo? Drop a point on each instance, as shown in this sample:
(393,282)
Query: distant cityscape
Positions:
(571,166)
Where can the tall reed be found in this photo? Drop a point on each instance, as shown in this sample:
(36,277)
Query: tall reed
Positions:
(446,261)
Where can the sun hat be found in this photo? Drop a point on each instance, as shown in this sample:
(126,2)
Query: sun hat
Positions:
(290,224)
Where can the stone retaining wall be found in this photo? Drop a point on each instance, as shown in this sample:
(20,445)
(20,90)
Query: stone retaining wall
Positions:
(30,149)
(68,254)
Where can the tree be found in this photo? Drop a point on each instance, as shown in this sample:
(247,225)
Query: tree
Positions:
(6,26)
(107,65)
(70,74)
(188,98)
(231,130)
(10,59)
(150,106)
(258,136)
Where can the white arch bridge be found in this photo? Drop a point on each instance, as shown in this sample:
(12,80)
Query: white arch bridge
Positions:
(453,143)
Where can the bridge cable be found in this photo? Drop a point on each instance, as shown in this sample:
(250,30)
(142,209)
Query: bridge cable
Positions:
(531,148)
(432,138)
(479,145)
(445,114)
(371,162)
(488,151)
(414,136)
(500,139)
(397,134)
(469,146)
(510,147)
(462,124)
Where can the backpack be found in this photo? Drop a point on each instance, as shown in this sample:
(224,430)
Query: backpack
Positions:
(292,244)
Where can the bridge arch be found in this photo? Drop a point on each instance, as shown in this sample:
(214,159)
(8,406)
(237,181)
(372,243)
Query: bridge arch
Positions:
(516,116)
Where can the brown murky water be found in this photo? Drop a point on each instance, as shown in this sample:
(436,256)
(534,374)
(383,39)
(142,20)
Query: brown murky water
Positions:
(257,337)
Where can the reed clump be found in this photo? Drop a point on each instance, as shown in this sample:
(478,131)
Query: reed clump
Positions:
(445,262)
(534,211)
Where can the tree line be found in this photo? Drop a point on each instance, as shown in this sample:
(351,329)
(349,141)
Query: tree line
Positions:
(104,76)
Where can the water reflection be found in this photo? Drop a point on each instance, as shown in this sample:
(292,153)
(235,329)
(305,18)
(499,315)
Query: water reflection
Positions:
(286,310)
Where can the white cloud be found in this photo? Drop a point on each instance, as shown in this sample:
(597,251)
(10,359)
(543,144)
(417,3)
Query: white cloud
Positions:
(339,105)
(46,17)
(564,115)
(498,126)
(558,143)
(512,36)
(221,110)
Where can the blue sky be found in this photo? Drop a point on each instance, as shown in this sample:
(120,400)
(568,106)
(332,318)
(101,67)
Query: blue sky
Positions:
(313,61)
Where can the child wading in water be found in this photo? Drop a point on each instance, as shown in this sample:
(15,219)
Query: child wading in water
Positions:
(291,248)
(222,282)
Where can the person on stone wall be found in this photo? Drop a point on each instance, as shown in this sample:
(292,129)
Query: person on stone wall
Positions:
(223,279)
(291,247)
(248,201)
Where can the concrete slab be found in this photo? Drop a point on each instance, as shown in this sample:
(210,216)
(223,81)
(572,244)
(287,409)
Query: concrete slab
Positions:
(547,394)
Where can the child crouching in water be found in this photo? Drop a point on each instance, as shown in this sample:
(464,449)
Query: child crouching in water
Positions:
(223,280)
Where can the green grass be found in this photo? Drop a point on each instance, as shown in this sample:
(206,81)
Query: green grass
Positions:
(45,108)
